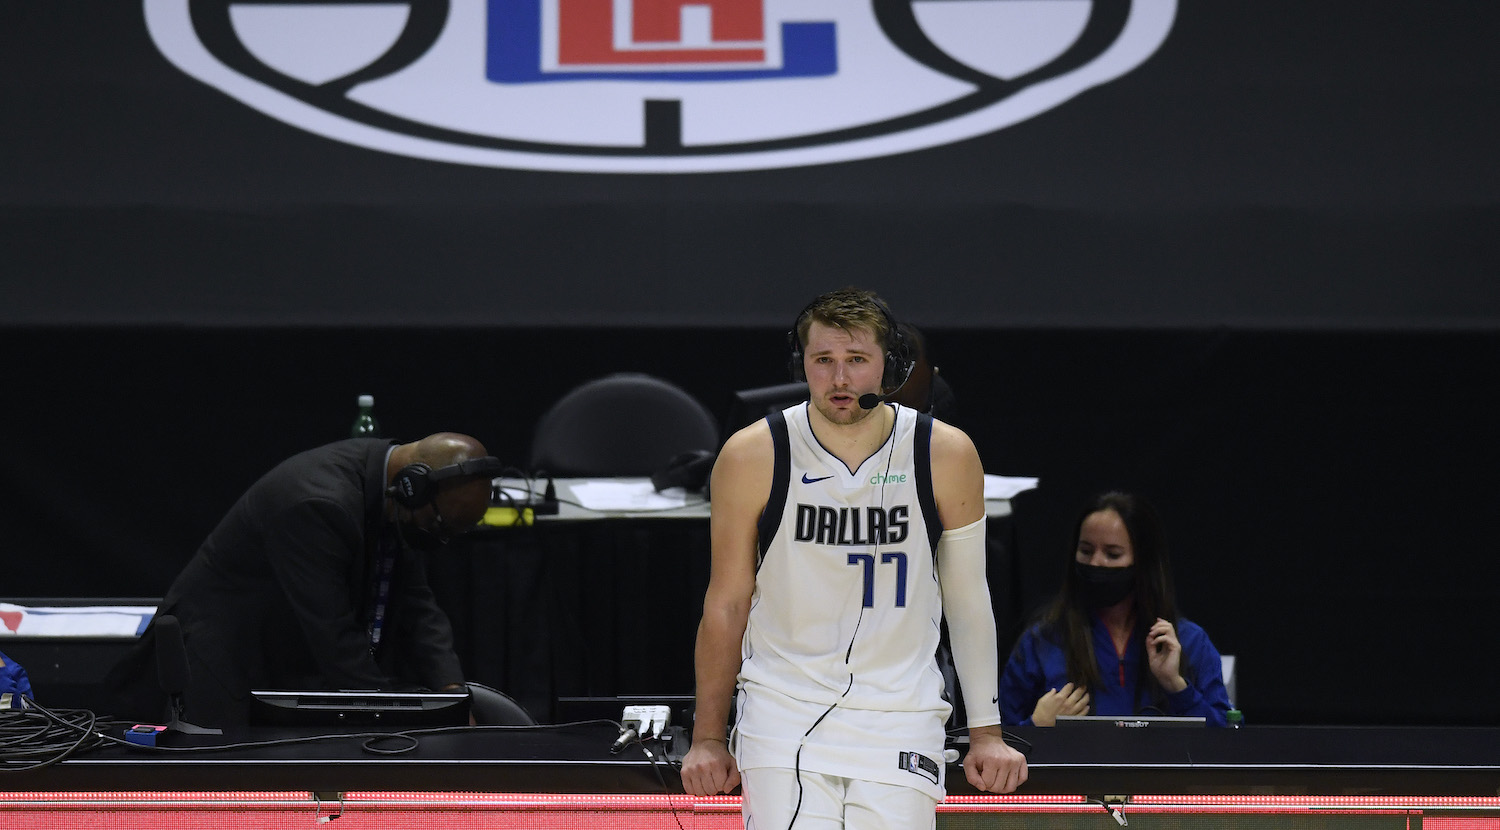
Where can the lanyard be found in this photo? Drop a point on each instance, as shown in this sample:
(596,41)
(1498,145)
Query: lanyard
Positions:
(385,566)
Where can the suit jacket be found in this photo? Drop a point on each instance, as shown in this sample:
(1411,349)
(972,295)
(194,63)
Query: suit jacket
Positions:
(280,593)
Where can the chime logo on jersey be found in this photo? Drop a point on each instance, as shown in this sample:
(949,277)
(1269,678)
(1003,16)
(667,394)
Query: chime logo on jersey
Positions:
(669,86)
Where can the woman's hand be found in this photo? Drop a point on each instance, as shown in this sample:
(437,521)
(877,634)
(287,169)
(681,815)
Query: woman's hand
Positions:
(1065,701)
(1164,654)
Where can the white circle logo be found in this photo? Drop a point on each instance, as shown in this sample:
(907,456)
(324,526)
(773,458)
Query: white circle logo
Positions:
(655,86)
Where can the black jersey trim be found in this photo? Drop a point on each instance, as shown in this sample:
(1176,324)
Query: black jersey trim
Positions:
(770,518)
(922,445)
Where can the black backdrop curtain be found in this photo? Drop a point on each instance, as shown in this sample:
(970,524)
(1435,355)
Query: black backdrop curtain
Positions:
(1329,496)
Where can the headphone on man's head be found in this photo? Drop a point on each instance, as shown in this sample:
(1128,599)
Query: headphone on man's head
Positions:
(899,355)
(417,484)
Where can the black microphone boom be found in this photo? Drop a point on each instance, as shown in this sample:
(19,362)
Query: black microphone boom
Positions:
(870,400)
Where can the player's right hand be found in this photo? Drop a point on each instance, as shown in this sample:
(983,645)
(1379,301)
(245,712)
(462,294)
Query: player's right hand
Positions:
(709,769)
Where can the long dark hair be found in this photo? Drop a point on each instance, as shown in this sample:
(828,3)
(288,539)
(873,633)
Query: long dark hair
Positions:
(1066,620)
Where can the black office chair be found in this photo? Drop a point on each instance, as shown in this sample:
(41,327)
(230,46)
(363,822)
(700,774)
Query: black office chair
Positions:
(492,707)
(626,424)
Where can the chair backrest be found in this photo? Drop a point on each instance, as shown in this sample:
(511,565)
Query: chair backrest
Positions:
(626,424)
(492,707)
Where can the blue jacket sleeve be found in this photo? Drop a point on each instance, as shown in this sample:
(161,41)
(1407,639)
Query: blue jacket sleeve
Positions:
(13,684)
(1205,695)
(1022,681)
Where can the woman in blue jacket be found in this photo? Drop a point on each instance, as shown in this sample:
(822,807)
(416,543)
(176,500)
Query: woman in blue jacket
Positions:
(1111,642)
(15,687)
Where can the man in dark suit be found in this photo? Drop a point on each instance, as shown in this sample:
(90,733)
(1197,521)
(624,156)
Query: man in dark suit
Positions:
(315,579)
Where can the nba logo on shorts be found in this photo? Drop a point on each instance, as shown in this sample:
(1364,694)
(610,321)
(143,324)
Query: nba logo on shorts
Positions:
(655,86)
(684,40)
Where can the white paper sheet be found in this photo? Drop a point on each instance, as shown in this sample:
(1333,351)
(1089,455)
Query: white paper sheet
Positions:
(1005,487)
(605,496)
(74,621)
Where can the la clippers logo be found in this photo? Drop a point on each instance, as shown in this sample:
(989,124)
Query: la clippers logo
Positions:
(677,40)
(663,86)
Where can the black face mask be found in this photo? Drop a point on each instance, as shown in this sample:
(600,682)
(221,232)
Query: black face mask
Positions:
(1101,586)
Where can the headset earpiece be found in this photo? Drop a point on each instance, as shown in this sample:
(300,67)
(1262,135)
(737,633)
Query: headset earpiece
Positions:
(794,360)
(412,486)
(417,484)
(900,357)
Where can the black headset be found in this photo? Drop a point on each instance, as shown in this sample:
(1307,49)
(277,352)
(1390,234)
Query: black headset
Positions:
(899,355)
(417,484)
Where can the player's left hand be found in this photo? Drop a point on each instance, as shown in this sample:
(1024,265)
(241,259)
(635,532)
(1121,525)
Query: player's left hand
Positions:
(993,765)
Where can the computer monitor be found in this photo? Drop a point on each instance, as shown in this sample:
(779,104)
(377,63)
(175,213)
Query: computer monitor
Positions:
(1129,721)
(750,405)
(284,707)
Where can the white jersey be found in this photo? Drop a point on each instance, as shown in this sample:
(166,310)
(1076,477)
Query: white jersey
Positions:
(844,620)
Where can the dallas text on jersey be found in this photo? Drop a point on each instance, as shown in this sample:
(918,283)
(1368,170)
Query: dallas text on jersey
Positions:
(852,525)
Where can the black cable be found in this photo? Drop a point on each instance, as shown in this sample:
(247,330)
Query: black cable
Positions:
(36,737)
(44,737)
(519,475)
(96,738)
(413,735)
(655,767)
(647,511)
(849,652)
(1115,812)
(540,474)
(1016,742)
(501,497)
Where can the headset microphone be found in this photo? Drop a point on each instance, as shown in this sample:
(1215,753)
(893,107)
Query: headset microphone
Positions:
(870,400)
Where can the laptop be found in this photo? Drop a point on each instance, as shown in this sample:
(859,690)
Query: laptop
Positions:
(286,707)
(1129,721)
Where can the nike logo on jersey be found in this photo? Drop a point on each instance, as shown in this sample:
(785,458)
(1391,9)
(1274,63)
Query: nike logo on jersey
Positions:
(806,480)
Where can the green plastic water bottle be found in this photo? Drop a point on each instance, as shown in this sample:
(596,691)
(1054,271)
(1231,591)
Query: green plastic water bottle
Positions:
(365,425)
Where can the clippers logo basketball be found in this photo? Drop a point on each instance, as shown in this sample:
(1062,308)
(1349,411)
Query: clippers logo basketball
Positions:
(655,86)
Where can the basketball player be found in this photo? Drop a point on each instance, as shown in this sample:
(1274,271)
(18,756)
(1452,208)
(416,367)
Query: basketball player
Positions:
(843,530)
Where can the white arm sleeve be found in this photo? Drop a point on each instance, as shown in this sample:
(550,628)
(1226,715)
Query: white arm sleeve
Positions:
(971,621)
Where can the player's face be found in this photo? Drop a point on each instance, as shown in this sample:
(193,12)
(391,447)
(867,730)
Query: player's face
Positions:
(1104,541)
(842,365)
